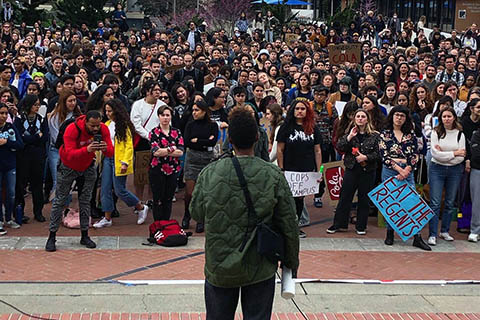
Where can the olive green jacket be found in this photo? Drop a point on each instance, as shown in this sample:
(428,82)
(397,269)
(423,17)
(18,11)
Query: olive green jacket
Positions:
(219,202)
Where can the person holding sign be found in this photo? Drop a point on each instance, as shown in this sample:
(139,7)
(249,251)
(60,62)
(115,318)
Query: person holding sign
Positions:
(446,170)
(360,146)
(399,150)
(299,142)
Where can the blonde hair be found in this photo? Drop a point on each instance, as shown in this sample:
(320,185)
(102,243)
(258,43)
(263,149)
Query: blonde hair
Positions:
(368,127)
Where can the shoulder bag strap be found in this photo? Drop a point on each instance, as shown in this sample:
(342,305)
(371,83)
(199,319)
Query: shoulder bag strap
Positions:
(148,119)
(250,208)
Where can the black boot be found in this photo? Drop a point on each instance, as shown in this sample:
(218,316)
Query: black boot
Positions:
(50,246)
(200,227)
(186,220)
(39,217)
(86,241)
(419,243)
(389,238)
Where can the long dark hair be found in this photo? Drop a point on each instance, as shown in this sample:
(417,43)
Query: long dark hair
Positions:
(26,104)
(277,119)
(344,121)
(407,126)
(95,101)
(440,128)
(122,119)
(174,92)
(202,105)
(376,114)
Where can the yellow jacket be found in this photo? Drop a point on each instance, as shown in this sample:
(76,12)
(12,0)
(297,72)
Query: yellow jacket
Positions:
(123,154)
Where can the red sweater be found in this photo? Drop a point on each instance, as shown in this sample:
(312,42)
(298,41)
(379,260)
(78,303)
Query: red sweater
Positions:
(73,153)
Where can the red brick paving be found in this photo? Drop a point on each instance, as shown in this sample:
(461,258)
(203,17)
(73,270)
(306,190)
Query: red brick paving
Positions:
(90,265)
(275,316)
(126,225)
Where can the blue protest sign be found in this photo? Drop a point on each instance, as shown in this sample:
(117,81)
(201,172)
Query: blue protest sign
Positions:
(401,206)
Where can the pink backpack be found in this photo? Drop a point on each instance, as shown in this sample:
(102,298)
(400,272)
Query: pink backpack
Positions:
(71,219)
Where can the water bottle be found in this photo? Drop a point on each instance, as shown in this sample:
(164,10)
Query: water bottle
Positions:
(19,214)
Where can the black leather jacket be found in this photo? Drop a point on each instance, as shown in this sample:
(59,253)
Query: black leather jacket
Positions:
(368,147)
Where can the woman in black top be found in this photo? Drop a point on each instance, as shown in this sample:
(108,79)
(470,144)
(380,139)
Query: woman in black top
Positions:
(299,142)
(360,146)
(31,160)
(201,135)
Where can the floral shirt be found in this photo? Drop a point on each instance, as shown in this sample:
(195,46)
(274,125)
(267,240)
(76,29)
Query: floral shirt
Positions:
(158,139)
(392,149)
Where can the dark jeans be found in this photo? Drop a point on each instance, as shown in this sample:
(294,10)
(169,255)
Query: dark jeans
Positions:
(328,154)
(65,178)
(299,206)
(256,299)
(30,168)
(163,189)
(353,180)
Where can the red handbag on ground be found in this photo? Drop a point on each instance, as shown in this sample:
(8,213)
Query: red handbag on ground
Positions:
(168,233)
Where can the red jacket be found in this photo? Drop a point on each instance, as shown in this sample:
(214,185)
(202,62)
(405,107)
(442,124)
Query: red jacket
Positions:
(73,153)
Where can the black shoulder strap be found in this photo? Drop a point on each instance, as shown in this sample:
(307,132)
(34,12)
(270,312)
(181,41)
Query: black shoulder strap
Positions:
(459,135)
(248,199)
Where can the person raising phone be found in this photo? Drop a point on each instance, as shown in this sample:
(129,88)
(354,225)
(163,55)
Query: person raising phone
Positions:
(82,140)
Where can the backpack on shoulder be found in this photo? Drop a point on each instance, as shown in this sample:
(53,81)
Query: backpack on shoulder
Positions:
(61,131)
(167,233)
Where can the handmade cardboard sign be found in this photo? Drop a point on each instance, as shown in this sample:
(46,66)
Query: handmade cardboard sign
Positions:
(333,177)
(142,164)
(402,207)
(303,183)
(290,38)
(341,53)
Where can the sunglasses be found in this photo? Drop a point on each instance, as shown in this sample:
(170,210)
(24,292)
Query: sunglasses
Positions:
(164,97)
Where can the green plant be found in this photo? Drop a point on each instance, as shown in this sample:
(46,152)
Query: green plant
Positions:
(342,18)
(81,11)
(30,12)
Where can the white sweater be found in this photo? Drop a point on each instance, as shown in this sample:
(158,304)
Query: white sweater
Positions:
(448,144)
(141,111)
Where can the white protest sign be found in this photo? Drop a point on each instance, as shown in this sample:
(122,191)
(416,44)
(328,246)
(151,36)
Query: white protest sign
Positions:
(340,105)
(303,183)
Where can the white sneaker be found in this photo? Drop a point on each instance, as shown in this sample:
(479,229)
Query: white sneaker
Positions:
(12,224)
(142,215)
(52,196)
(446,236)
(472,237)
(2,231)
(432,241)
(103,223)
(174,199)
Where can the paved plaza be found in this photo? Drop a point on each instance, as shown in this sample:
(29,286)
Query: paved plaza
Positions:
(341,277)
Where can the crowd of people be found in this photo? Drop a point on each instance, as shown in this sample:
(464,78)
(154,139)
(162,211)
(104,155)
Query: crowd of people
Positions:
(89,105)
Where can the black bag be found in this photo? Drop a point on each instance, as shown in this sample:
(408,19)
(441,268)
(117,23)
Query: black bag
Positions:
(270,244)
(61,131)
